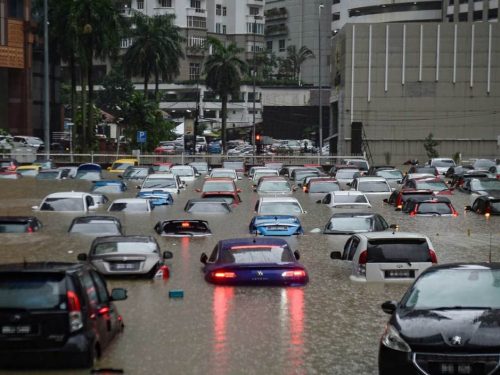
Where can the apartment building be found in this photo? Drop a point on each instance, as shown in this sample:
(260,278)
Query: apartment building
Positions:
(471,11)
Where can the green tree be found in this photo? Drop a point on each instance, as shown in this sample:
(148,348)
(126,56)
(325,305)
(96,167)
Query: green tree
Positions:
(295,59)
(430,145)
(142,114)
(156,49)
(117,92)
(224,69)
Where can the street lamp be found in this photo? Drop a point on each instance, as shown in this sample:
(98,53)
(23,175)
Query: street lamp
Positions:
(46,97)
(320,113)
(254,73)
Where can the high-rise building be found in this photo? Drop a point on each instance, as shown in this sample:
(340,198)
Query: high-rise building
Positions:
(465,11)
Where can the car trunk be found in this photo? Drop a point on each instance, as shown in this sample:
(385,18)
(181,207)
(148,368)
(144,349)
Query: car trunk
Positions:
(259,274)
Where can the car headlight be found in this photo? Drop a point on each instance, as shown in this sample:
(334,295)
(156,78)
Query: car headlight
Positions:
(393,340)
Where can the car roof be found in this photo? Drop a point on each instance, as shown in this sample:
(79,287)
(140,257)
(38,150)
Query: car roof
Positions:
(278,199)
(465,266)
(352,214)
(42,267)
(211,200)
(108,182)
(391,235)
(130,238)
(371,178)
(97,218)
(131,160)
(346,192)
(160,176)
(19,219)
(228,243)
(130,200)
(223,170)
(219,179)
(262,218)
(67,194)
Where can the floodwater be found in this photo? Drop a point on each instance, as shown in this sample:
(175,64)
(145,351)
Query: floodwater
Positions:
(331,326)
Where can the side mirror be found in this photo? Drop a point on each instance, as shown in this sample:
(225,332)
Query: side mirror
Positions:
(319,201)
(168,255)
(336,255)
(389,307)
(118,294)
(399,182)
(197,175)
(197,190)
(138,186)
(35,208)
(203,258)
(158,227)
(394,226)
(82,257)
(468,208)
(386,200)
(238,190)
(296,254)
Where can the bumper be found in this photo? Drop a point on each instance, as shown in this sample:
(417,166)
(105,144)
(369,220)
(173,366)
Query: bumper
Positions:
(73,354)
(393,362)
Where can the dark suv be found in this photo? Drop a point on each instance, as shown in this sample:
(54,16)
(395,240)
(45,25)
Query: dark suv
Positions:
(55,315)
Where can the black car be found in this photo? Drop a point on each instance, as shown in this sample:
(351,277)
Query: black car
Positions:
(19,224)
(448,322)
(486,204)
(55,315)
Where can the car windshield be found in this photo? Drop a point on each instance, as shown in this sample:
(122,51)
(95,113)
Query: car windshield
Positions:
(350,199)
(183,172)
(32,291)
(63,204)
(351,224)
(130,206)
(373,186)
(159,183)
(440,208)
(218,186)
(390,175)
(125,247)
(443,163)
(430,170)
(300,175)
(346,174)
(324,187)
(256,254)
(132,173)
(274,186)
(161,168)
(223,174)
(110,189)
(358,163)
(280,208)
(88,175)
(96,227)
(457,287)
(259,173)
(121,165)
(14,227)
(398,250)
(431,185)
(234,165)
(47,175)
(477,185)
(207,207)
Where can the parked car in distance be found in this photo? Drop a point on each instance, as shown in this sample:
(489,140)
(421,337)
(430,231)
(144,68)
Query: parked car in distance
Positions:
(428,169)
(483,164)
(321,186)
(67,202)
(442,164)
(183,228)
(399,197)
(131,205)
(30,141)
(89,171)
(360,164)
(9,175)
(200,167)
(157,197)
(19,224)
(108,187)
(486,205)
(96,226)
(345,199)
(8,164)
(355,222)
(238,166)
(224,173)
(207,206)
(274,186)
(186,173)
(446,323)
(263,172)
(386,256)
(166,182)
(120,165)
(278,206)
(276,225)
(49,174)
(126,255)
(134,173)
(254,261)
(68,171)
(372,186)
(436,185)
(55,315)
(28,170)
(437,206)
(162,167)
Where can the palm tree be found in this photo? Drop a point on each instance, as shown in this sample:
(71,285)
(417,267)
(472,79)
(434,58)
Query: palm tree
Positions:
(156,49)
(224,70)
(296,59)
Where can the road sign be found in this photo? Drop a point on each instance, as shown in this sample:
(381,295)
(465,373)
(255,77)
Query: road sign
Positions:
(141,136)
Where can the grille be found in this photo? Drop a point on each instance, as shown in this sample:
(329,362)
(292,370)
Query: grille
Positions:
(457,364)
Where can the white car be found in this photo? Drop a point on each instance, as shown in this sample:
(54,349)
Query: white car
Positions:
(263,172)
(345,176)
(185,172)
(387,256)
(165,182)
(346,199)
(359,163)
(67,202)
(372,186)
(278,206)
(224,172)
(442,164)
(131,205)
(23,140)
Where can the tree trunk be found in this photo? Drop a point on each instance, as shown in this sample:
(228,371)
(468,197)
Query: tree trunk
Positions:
(157,86)
(83,140)
(224,121)
(146,79)
(90,105)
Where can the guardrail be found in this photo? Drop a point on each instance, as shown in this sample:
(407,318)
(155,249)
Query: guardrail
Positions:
(148,159)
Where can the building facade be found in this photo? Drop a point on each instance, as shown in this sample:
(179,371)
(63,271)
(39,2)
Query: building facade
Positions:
(470,11)
(400,82)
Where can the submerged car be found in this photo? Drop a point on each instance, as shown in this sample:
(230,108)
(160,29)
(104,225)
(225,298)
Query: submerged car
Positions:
(208,206)
(448,322)
(19,224)
(278,206)
(89,171)
(131,205)
(345,199)
(355,222)
(157,197)
(183,228)
(126,255)
(55,315)
(438,206)
(49,174)
(275,225)
(96,226)
(120,165)
(67,202)
(108,187)
(254,261)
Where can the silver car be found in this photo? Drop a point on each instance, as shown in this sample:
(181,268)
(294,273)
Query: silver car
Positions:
(126,255)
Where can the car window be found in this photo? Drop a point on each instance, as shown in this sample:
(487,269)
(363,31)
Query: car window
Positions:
(90,289)
(327,199)
(398,250)
(14,227)
(95,228)
(102,292)
(284,208)
(441,208)
(129,206)
(213,256)
(125,247)
(323,187)
(256,254)
(373,186)
(352,248)
(62,204)
(207,207)
(159,183)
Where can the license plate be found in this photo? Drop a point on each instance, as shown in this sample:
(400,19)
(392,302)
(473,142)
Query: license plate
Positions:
(277,227)
(455,368)
(16,330)
(399,274)
(124,266)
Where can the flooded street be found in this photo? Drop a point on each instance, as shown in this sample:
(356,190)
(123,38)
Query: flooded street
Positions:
(331,326)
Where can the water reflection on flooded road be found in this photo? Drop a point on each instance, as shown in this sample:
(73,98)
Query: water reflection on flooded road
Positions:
(330,326)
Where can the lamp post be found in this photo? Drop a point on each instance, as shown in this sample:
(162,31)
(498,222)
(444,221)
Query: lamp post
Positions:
(254,73)
(320,112)
(46,97)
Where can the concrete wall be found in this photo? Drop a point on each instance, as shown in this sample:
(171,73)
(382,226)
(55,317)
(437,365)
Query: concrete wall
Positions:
(417,80)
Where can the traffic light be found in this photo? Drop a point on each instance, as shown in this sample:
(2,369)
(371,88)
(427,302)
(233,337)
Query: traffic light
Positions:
(258,138)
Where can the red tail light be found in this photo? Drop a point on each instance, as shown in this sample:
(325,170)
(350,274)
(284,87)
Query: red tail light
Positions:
(294,274)
(185,224)
(363,257)
(223,275)
(433,256)
(498,176)
(104,310)
(413,213)
(75,313)
(30,230)
(487,210)
(304,189)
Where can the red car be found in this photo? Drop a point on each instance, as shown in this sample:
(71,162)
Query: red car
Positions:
(436,185)
(398,197)
(221,188)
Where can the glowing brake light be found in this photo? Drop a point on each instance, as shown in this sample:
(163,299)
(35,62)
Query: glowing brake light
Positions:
(30,230)
(104,310)
(296,273)
(224,275)
(185,224)
(413,213)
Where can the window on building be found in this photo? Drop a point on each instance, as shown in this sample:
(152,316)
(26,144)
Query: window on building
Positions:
(218,10)
(254,11)
(140,4)
(217,28)
(126,42)
(196,41)
(255,28)
(281,44)
(336,1)
(165,3)
(197,22)
(269,45)
(15,8)
(224,29)
(335,16)
(3,25)
(196,4)
(224,11)
(194,71)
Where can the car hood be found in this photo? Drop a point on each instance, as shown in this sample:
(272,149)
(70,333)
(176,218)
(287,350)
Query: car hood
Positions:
(427,329)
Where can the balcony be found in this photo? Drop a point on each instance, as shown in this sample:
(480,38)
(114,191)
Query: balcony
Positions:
(275,30)
(162,11)
(276,14)
(196,12)
(255,2)
(195,51)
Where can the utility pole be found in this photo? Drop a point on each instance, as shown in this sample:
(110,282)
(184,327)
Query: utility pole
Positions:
(46,95)
(254,73)
(320,112)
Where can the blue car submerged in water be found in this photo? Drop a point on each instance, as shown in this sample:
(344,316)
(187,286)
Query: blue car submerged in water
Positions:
(276,225)
(157,197)
(108,187)
(254,261)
